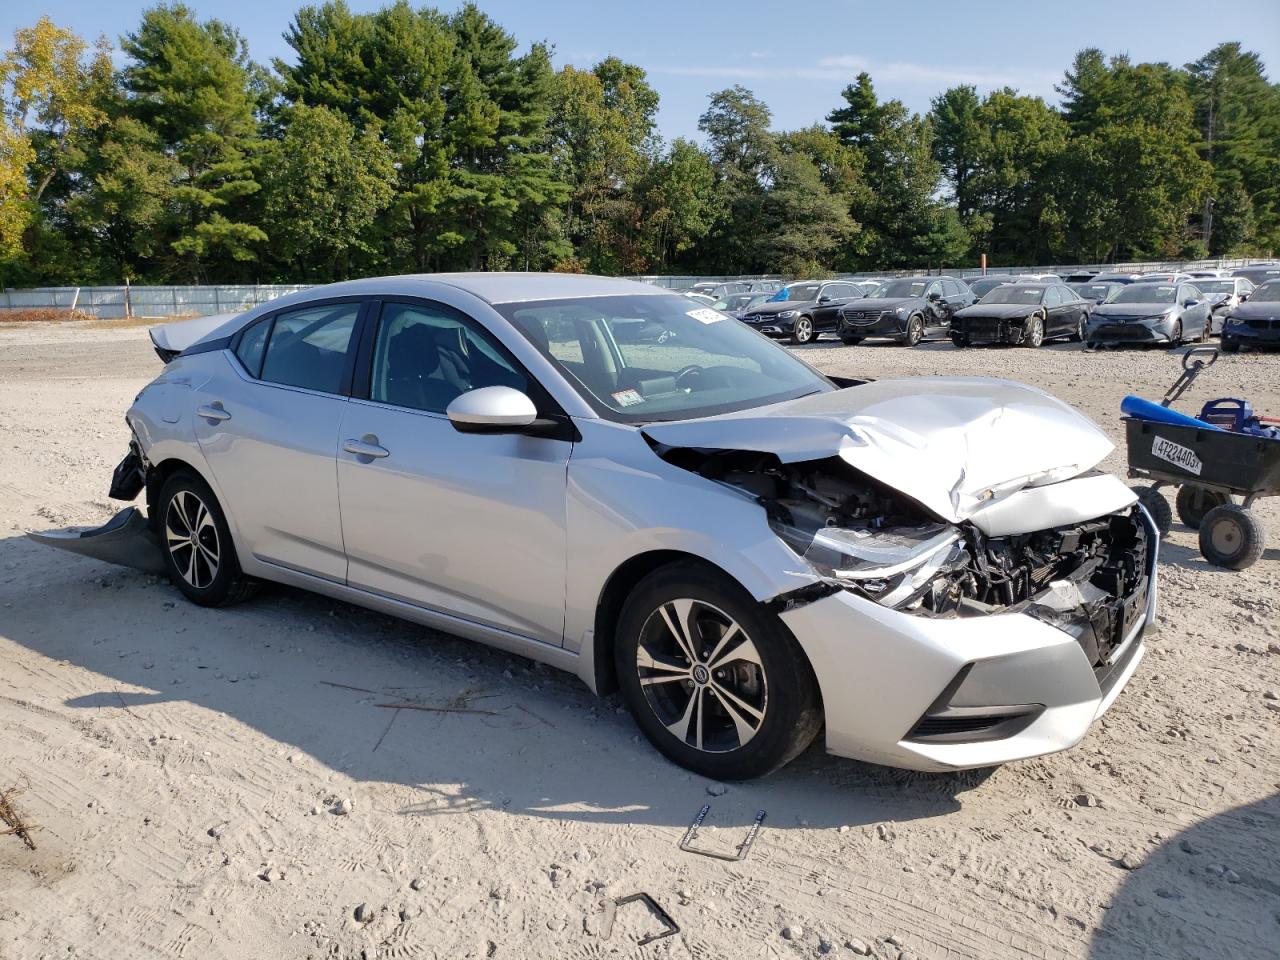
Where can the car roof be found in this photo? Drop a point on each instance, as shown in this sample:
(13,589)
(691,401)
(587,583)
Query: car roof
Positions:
(497,287)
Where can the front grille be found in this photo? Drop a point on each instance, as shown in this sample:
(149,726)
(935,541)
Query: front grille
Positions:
(1263,324)
(983,327)
(862,316)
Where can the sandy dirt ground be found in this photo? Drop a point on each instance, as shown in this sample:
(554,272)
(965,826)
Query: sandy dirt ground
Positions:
(226,783)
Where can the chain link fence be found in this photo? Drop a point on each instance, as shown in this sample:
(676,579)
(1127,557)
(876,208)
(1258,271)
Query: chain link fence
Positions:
(109,303)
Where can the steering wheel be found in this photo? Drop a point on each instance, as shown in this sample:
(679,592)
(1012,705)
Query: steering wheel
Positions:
(692,370)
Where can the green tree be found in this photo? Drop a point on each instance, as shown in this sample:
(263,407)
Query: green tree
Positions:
(679,204)
(193,85)
(323,187)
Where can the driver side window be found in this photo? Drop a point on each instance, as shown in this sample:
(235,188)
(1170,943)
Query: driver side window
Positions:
(426,356)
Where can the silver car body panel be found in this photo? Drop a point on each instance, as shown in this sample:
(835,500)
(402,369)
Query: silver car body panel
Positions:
(511,540)
(951,443)
(176,337)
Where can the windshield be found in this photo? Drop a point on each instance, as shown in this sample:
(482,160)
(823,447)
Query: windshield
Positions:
(1093,291)
(639,357)
(1146,293)
(900,289)
(1220,288)
(986,284)
(1269,292)
(798,291)
(1015,293)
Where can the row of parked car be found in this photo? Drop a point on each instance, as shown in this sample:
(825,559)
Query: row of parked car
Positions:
(1102,309)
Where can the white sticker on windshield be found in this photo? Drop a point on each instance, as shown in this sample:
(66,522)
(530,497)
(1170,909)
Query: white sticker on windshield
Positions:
(627,398)
(706,315)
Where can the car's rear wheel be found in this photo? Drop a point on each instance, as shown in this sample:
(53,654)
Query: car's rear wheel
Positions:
(802,330)
(716,682)
(198,551)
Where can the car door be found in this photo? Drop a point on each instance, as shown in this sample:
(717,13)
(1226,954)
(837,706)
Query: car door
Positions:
(269,432)
(1054,311)
(469,524)
(831,297)
(937,317)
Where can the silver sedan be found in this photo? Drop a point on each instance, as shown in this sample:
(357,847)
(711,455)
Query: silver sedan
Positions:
(620,482)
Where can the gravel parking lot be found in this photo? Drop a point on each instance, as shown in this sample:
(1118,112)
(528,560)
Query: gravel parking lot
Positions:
(210,784)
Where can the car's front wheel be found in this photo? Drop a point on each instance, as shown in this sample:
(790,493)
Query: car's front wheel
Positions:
(197,544)
(715,681)
(1034,334)
(915,331)
(802,331)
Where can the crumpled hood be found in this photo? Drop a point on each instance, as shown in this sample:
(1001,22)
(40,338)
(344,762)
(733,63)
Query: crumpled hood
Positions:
(950,443)
(1000,311)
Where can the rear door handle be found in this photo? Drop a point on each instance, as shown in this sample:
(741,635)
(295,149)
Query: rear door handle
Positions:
(213,411)
(366,447)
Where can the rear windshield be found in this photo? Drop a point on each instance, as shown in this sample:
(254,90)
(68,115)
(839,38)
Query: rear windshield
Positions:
(1092,290)
(1146,293)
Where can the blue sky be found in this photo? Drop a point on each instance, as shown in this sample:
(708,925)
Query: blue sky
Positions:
(795,56)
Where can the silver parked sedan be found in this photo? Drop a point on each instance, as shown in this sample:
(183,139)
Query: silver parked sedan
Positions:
(614,480)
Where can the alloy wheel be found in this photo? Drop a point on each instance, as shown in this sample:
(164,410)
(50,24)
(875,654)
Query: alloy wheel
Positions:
(804,330)
(1035,334)
(192,539)
(702,676)
(915,331)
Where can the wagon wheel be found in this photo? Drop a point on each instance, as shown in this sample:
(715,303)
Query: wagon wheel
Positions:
(1194,502)
(1231,537)
(1158,507)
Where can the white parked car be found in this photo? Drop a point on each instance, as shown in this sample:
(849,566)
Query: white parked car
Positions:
(611,479)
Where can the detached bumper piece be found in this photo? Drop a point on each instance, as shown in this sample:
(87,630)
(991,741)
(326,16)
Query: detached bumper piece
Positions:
(126,539)
(129,477)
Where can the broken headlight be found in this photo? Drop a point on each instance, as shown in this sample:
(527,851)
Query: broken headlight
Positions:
(892,566)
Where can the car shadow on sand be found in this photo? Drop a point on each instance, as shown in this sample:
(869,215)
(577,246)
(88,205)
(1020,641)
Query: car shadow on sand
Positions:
(1211,891)
(385,701)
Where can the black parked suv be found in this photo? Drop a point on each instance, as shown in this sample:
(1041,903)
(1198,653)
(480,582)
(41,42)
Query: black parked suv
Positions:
(802,311)
(908,310)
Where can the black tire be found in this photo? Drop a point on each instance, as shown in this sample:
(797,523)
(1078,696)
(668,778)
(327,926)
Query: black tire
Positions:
(1033,336)
(849,340)
(915,331)
(778,683)
(802,331)
(1078,336)
(1158,507)
(204,568)
(1176,339)
(1230,345)
(1193,502)
(1231,537)
(960,340)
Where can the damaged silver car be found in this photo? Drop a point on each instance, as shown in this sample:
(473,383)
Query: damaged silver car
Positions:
(607,478)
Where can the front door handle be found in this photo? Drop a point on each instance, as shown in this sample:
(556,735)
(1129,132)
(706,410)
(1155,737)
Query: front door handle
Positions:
(213,411)
(366,447)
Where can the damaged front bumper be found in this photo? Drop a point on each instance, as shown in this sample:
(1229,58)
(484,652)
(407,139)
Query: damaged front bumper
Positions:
(950,693)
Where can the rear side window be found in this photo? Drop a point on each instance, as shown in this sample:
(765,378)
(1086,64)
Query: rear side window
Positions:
(308,348)
(253,343)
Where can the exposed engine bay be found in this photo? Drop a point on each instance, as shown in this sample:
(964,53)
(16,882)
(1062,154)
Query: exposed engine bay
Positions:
(1089,579)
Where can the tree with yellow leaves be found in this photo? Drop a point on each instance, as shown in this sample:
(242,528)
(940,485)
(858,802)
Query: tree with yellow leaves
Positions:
(49,91)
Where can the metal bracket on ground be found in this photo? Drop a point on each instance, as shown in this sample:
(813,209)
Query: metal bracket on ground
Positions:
(611,910)
(744,847)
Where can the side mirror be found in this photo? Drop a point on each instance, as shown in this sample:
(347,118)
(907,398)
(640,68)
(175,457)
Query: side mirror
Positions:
(1190,302)
(824,299)
(935,296)
(491,410)
(1244,297)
